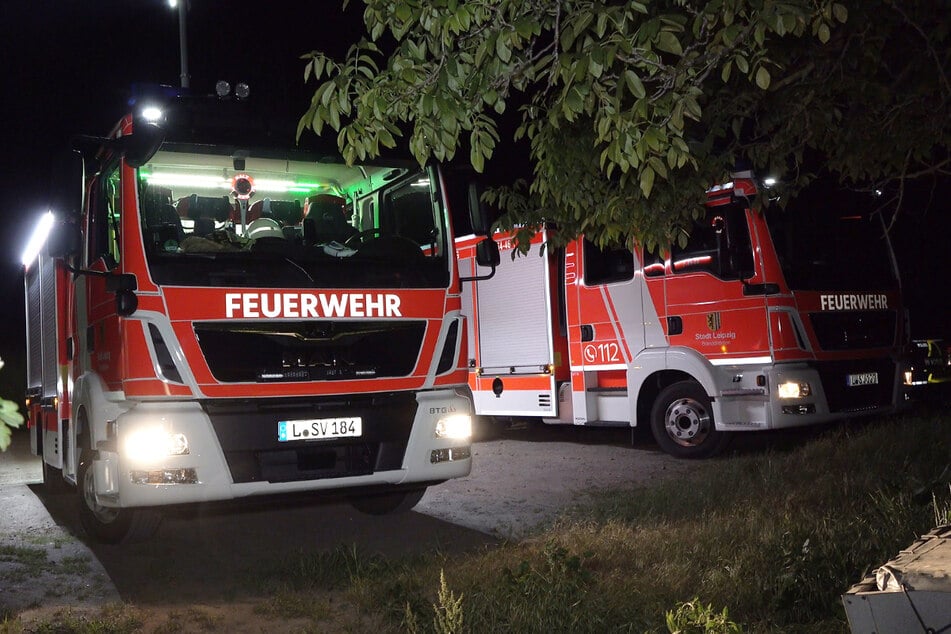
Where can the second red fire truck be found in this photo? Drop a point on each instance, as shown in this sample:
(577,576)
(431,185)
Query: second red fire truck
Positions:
(767,319)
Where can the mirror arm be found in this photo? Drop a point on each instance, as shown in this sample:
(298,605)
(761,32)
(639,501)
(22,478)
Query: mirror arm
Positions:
(477,278)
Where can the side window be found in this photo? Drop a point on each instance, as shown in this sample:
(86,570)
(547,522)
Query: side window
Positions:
(408,211)
(653,263)
(604,266)
(103,230)
(719,244)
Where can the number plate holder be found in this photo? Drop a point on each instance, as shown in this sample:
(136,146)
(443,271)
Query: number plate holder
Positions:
(319,429)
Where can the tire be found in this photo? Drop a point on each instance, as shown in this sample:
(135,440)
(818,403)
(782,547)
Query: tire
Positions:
(682,422)
(109,525)
(388,503)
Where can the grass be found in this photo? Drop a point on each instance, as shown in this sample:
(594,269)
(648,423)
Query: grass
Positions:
(762,542)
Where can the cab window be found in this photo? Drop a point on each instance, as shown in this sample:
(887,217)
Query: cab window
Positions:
(608,265)
(719,243)
(103,233)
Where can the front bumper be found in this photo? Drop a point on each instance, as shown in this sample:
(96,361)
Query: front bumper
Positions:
(234,451)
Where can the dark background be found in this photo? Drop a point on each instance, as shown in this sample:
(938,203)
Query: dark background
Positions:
(68,65)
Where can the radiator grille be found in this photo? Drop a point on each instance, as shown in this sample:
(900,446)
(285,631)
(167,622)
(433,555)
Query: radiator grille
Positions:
(310,351)
(850,330)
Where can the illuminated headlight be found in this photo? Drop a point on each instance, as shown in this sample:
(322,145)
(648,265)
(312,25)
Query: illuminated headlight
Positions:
(794,389)
(152,114)
(150,445)
(456,426)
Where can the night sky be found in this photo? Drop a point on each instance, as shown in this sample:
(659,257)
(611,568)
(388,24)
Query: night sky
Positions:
(68,65)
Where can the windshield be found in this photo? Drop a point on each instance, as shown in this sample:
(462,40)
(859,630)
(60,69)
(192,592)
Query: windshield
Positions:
(254,219)
(830,241)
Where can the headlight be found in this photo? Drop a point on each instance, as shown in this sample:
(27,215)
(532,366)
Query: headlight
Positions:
(152,444)
(794,389)
(455,426)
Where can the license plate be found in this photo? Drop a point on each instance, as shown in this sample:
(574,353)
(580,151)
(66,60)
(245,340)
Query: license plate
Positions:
(863,378)
(319,429)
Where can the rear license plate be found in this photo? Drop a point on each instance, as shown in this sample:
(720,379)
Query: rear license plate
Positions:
(863,378)
(319,429)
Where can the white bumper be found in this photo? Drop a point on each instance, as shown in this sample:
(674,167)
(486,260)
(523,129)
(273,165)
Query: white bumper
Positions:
(203,474)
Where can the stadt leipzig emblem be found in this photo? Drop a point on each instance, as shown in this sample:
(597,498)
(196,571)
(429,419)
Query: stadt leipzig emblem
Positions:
(713,321)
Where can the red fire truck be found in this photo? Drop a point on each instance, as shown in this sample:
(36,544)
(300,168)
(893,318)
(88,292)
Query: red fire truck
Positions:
(765,320)
(229,316)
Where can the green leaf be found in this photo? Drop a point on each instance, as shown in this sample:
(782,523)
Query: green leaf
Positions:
(840,12)
(823,33)
(762,78)
(668,42)
(647,180)
(634,84)
(502,49)
(725,73)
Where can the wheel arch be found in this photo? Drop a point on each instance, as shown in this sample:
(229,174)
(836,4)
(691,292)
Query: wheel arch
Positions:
(653,370)
(90,397)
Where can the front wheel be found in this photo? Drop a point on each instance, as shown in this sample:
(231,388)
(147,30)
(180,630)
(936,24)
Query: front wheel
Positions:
(388,503)
(682,422)
(105,524)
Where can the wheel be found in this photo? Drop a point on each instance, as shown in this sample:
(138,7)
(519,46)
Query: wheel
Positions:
(388,503)
(682,422)
(105,524)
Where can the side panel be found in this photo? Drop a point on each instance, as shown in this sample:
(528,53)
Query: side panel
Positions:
(511,334)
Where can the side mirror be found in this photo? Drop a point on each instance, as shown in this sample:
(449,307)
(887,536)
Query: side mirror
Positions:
(487,255)
(478,215)
(140,146)
(64,241)
(123,286)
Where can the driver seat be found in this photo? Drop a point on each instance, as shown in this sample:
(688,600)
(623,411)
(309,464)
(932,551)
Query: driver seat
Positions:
(325,221)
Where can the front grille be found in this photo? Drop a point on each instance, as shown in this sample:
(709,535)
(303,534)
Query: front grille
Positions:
(248,433)
(850,330)
(845,398)
(309,351)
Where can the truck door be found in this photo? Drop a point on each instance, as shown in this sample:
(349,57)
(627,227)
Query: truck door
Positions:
(606,317)
(712,302)
(97,324)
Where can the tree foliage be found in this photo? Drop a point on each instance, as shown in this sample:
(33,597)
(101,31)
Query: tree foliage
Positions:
(630,110)
(10,417)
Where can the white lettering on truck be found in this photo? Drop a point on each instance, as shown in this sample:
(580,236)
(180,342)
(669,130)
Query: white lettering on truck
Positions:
(311,305)
(870,301)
